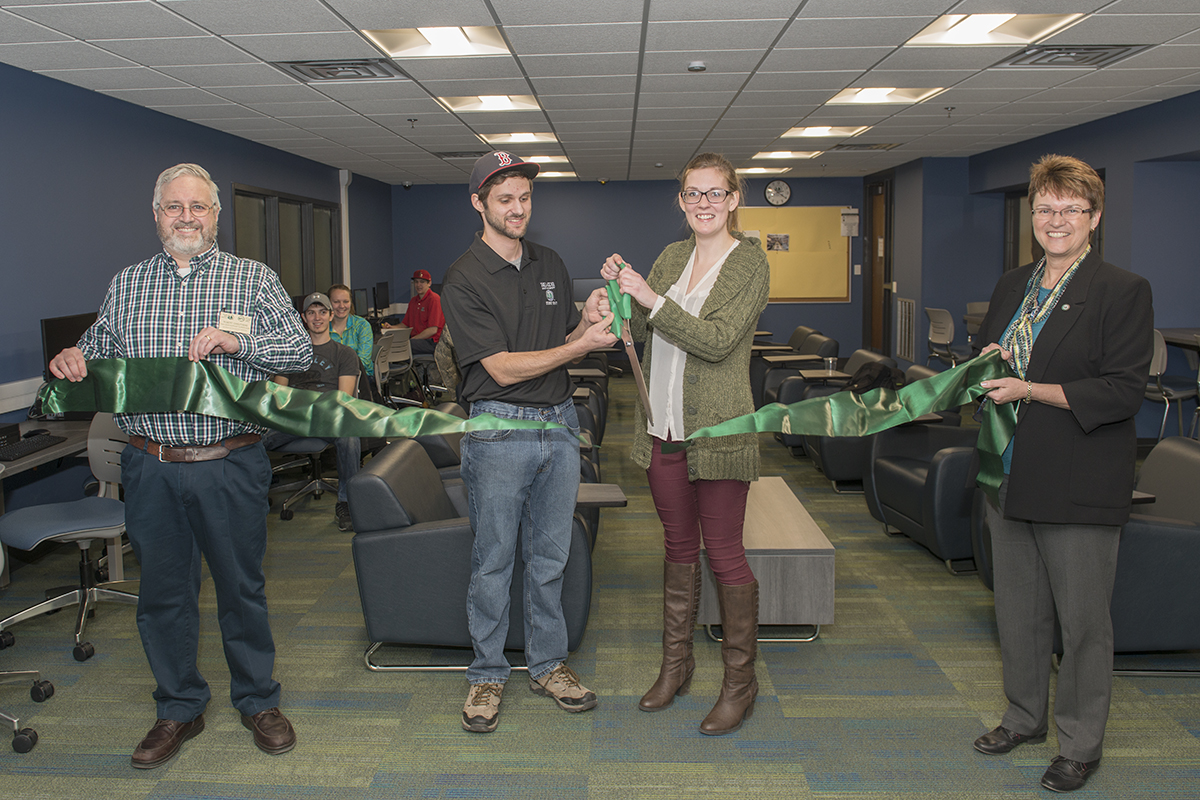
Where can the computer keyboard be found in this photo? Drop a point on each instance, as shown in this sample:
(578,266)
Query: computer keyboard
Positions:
(25,447)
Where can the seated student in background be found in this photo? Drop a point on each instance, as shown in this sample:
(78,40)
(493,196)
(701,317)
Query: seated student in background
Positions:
(334,367)
(348,329)
(424,315)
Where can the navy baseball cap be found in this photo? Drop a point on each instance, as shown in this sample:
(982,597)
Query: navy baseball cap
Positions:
(499,161)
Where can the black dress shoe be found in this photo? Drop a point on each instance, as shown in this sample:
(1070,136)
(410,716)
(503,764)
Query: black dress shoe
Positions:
(1065,775)
(1002,740)
(163,741)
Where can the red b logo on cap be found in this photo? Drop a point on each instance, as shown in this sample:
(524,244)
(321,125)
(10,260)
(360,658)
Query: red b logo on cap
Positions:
(504,158)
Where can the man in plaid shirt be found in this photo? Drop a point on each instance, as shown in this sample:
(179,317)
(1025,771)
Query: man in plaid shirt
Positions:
(196,484)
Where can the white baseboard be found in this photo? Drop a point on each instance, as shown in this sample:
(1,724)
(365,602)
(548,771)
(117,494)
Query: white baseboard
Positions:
(18,395)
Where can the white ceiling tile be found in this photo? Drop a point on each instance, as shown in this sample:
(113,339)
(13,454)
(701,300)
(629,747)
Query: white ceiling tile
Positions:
(59,55)
(178,52)
(831,82)
(400,106)
(114,78)
(478,86)
(737,62)
(554,103)
(219,75)
(563,39)
(175,96)
(874,8)
(1151,7)
(567,66)
(1128,29)
(294,93)
(824,58)
(460,68)
(259,16)
(305,46)
(18,29)
(671,10)
(700,37)
(228,111)
(853,32)
(589,85)
(1133,78)
(1183,56)
(109,20)
(518,12)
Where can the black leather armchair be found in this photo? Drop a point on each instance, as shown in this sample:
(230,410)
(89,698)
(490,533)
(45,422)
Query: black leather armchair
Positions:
(814,345)
(917,484)
(845,459)
(795,389)
(412,555)
(1156,597)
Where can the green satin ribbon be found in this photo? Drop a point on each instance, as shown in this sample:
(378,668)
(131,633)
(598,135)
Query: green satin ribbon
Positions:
(621,306)
(163,385)
(850,414)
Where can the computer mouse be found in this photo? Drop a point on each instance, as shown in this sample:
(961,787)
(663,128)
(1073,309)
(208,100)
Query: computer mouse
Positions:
(34,432)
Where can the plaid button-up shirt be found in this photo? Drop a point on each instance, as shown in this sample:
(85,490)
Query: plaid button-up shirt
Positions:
(150,311)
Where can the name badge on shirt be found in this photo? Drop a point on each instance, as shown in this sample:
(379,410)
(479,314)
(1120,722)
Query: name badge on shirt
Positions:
(234,323)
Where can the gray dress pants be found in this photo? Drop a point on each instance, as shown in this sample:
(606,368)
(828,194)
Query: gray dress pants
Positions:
(1044,569)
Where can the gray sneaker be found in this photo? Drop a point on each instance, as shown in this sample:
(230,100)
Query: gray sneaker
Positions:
(341,512)
(563,685)
(481,712)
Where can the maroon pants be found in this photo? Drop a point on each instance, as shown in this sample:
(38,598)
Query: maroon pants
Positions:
(689,510)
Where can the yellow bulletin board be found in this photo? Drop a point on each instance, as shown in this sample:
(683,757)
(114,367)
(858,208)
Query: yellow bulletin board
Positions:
(809,256)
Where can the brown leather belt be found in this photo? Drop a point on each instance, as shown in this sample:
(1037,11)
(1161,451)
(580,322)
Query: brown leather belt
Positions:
(187,455)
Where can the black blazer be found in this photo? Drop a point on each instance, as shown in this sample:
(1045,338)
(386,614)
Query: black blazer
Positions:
(1077,465)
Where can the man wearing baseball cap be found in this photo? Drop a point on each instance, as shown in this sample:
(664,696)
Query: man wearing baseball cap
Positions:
(424,315)
(334,367)
(508,301)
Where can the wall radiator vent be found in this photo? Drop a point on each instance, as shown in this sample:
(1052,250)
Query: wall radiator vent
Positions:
(906,329)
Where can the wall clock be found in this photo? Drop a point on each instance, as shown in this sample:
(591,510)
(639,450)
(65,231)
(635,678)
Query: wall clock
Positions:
(777,193)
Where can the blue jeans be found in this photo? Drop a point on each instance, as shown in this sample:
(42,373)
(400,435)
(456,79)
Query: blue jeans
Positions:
(349,455)
(175,514)
(521,488)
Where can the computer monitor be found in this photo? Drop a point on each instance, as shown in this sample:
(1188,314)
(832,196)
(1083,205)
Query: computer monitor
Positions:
(581,288)
(59,333)
(383,298)
(361,303)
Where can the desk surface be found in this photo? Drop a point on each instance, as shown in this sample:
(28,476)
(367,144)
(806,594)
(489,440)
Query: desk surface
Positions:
(782,358)
(822,374)
(1181,337)
(76,432)
(586,372)
(759,348)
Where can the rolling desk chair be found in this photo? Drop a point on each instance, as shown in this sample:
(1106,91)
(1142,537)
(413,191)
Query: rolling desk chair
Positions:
(81,522)
(23,738)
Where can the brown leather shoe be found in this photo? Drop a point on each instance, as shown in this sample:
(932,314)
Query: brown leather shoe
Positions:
(273,733)
(163,742)
(1002,740)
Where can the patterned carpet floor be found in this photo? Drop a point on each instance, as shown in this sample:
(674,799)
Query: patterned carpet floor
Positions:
(884,704)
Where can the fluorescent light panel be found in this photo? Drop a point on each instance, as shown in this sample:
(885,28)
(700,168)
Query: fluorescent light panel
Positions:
(439,42)
(831,131)
(518,138)
(492,102)
(763,170)
(882,95)
(788,154)
(548,159)
(958,30)
(556,175)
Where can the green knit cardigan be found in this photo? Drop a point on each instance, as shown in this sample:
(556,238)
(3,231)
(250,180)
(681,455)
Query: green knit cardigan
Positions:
(716,375)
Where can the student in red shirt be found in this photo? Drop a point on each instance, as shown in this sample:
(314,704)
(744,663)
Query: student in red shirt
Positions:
(424,315)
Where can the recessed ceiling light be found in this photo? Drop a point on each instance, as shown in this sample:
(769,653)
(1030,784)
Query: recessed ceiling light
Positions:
(491,102)
(556,175)
(548,159)
(518,138)
(955,30)
(832,131)
(763,170)
(880,94)
(439,42)
(788,154)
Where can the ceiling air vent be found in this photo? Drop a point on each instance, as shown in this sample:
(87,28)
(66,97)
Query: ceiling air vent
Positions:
(861,147)
(359,69)
(1084,56)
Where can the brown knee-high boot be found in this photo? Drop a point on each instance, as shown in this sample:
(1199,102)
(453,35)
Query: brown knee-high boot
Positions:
(739,648)
(681,595)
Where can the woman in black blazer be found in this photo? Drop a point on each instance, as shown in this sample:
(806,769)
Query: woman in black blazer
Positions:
(1078,334)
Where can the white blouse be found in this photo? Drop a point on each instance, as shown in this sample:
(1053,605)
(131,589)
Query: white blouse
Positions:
(666,370)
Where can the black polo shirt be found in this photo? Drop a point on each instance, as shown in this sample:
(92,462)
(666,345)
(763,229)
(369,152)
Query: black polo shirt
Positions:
(492,307)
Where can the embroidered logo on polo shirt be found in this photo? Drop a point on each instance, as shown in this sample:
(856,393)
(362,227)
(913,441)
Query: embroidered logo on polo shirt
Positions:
(548,286)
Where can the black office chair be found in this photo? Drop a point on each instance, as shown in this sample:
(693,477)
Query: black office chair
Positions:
(23,738)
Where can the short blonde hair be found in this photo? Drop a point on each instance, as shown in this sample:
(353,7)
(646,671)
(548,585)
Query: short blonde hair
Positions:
(1064,176)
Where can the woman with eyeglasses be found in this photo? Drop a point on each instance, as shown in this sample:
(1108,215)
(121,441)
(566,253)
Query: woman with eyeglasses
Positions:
(1078,335)
(696,311)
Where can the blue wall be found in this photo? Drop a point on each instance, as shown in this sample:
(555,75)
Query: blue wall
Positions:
(587,222)
(77,177)
(370,205)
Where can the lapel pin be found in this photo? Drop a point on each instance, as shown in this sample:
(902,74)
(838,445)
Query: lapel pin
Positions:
(1066,307)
